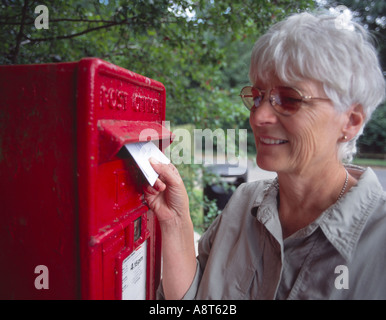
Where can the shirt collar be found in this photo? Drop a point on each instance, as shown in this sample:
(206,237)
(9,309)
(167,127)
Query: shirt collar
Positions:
(342,223)
(265,208)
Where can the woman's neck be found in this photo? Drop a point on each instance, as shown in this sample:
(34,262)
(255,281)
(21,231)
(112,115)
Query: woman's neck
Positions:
(304,196)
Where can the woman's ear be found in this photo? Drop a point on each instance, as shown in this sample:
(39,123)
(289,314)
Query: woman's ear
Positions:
(355,120)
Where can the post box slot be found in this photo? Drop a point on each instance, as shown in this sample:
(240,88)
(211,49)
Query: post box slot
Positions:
(114,134)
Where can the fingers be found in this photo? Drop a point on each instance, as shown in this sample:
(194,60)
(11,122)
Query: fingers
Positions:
(168,173)
(159,185)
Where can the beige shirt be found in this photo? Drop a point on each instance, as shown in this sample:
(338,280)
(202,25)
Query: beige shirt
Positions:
(341,255)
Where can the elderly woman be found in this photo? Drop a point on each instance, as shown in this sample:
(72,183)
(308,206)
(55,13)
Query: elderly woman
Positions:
(317,231)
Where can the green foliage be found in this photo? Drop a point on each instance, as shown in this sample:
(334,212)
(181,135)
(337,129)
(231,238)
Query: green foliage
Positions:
(199,58)
(374,135)
(212,212)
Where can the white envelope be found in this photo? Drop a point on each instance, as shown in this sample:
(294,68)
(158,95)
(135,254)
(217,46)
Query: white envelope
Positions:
(141,152)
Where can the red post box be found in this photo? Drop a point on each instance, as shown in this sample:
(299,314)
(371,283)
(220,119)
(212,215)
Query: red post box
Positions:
(73,219)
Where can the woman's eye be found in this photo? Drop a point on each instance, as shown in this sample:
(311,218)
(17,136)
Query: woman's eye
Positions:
(257,101)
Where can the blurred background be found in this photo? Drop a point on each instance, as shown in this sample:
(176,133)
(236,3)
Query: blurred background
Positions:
(200,51)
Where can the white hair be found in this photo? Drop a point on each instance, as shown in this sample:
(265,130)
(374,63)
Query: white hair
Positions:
(309,46)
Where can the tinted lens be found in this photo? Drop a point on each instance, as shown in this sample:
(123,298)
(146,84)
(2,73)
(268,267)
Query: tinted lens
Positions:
(257,96)
(246,97)
(286,101)
(250,97)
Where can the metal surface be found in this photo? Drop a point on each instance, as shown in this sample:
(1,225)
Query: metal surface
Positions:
(68,201)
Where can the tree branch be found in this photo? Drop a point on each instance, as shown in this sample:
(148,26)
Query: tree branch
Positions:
(19,36)
(82,20)
(74,34)
(29,22)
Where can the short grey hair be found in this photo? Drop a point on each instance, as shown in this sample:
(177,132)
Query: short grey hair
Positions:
(309,46)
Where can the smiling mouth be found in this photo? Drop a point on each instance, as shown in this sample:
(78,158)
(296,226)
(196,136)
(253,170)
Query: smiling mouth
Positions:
(272,141)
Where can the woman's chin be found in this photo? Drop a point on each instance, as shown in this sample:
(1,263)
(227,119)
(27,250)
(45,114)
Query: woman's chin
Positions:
(266,164)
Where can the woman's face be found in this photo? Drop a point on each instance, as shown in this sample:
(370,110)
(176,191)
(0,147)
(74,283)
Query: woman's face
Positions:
(301,142)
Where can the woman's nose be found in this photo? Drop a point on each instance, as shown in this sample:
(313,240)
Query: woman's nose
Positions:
(263,114)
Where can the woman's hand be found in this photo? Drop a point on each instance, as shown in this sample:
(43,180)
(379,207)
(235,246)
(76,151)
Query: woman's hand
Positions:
(169,200)
(168,197)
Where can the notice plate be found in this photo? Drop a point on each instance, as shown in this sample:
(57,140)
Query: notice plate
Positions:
(134,274)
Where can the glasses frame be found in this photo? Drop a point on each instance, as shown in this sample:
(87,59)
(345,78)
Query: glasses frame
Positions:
(272,100)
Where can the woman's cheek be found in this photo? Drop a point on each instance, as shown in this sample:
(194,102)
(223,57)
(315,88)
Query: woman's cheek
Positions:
(304,144)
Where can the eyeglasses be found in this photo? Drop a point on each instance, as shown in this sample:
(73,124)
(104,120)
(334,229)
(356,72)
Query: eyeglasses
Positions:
(284,100)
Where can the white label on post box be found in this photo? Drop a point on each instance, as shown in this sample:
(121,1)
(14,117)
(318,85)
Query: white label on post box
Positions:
(134,274)
(142,152)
